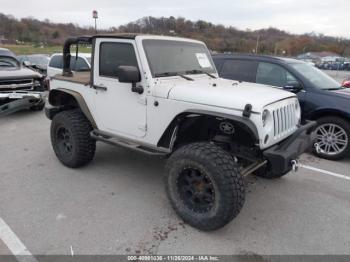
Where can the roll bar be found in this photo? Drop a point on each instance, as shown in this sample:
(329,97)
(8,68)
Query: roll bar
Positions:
(66,51)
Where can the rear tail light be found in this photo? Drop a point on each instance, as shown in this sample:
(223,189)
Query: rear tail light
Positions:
(346,83)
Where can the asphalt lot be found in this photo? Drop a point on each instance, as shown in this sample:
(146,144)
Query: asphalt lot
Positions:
(117,204)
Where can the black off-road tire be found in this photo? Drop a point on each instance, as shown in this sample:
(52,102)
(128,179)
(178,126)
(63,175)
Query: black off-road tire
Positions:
(78,128)
(224,176)
(345,125)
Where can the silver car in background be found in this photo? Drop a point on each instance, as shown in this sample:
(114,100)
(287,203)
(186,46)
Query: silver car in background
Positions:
(20,87)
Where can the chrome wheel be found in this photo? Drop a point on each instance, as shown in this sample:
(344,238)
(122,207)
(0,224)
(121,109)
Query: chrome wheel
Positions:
(331,138)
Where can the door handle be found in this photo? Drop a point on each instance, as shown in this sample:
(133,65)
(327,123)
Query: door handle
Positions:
(100,87)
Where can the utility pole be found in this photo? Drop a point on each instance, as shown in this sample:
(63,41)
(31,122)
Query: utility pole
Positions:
(257,44)
(276,49)
(95,16)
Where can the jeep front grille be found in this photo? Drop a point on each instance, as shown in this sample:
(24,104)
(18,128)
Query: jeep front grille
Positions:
(285,120)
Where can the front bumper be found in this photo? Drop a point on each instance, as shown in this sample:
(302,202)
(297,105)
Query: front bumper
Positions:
(280,156)
(16,101)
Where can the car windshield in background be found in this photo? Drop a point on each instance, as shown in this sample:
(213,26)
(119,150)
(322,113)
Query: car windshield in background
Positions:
(168,58)
(316,76)
(41,61)
(6,61)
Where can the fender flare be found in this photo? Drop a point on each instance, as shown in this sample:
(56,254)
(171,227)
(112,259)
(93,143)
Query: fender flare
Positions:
(169,133)
(78,98)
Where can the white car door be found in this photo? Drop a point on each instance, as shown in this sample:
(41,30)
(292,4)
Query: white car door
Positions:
(118,109)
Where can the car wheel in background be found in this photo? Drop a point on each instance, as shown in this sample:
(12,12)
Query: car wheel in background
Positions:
(332,136)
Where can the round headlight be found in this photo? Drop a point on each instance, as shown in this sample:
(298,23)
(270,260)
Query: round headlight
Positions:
(264,116)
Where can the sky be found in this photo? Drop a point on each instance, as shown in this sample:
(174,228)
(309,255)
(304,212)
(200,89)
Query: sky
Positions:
(329,17)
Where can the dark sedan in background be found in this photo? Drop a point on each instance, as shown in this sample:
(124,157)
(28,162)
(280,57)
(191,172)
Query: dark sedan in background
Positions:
(321,97)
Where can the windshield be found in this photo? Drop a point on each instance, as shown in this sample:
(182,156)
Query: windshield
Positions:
(316,76)
(7,61)
(39,60)
(168,57)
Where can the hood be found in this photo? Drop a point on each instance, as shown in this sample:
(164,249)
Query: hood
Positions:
(18,73)
(345,93)
(226,93)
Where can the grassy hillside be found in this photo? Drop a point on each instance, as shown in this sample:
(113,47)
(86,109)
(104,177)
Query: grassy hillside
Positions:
(32,49)
(218,37)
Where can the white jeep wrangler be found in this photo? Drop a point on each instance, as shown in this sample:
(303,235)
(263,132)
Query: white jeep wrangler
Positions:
(162,96)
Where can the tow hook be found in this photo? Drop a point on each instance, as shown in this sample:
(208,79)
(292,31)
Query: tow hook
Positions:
(317,148)
(295,165)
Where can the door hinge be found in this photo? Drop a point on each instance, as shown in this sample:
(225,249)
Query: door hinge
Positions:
(143,127)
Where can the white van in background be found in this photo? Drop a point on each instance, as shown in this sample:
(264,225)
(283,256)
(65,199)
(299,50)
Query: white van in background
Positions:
(78,64)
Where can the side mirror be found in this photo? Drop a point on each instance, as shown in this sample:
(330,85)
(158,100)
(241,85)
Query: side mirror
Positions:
(130,74)
(293,86)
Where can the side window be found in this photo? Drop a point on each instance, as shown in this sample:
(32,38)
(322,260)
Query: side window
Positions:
(56,62)
(274,75)
(113,55)
(79,64)
(218,63)
(241,70)
(72,62)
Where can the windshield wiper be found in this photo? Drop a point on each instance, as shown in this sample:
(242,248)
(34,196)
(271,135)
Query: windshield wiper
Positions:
(173,74)
(197,71)
(335,88)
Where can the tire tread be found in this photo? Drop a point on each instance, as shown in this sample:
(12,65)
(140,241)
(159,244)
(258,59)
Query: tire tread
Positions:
(80,128)
(228,176)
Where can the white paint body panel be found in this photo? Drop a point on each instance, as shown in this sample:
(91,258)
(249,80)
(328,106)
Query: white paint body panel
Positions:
(225,93)
(118,110)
